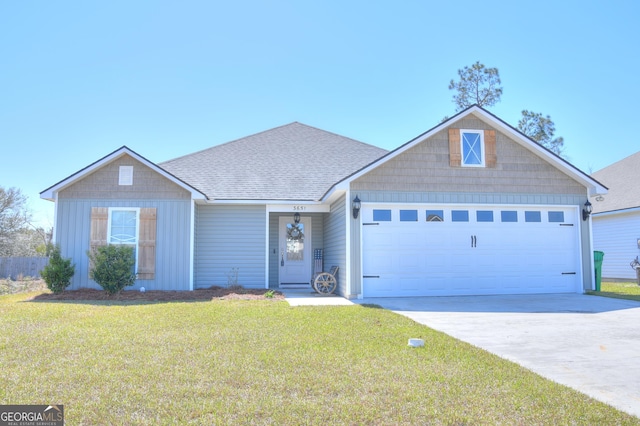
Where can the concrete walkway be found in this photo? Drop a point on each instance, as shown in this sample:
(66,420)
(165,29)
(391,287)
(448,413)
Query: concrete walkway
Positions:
(589,343)
(303,297)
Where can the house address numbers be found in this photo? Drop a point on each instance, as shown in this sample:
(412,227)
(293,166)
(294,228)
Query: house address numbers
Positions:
(299,208)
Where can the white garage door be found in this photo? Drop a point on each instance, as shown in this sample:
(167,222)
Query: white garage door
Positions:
(427,250)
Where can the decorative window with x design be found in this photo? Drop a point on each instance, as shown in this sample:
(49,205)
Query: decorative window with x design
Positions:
(472,149)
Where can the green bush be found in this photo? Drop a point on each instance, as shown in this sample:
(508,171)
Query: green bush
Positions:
(58,273)
(113,267)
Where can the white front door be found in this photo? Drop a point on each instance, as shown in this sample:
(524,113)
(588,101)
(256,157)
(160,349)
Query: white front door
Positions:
(295,251)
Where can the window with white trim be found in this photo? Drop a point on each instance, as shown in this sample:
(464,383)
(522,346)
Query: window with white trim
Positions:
(472,148)
(143,238)
(123,228)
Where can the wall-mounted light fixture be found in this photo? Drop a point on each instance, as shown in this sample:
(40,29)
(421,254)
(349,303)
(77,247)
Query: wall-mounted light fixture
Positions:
(586,212)
(296,218)
(356,207)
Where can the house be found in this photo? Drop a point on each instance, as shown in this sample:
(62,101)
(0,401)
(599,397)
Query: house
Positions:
(470,207)
(616,218)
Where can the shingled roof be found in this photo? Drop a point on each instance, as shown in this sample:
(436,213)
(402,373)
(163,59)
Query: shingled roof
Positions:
(291,162)
(623,180)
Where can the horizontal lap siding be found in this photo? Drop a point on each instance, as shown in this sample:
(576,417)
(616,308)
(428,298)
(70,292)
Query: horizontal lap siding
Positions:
(616,236)
(230,237)
(335,244)
(172,243)
(274,249)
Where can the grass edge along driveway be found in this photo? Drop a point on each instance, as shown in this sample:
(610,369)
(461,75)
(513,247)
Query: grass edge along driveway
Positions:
(264,362)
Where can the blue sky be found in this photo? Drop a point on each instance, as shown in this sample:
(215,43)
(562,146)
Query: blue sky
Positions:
(80,79)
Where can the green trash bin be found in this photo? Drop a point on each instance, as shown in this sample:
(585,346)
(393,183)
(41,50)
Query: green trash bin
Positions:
(597,261)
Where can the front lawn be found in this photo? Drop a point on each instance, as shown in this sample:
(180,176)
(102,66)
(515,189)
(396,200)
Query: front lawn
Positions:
(264,362)
(621,290)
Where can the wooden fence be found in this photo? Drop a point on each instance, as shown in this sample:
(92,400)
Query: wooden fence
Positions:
(17,268)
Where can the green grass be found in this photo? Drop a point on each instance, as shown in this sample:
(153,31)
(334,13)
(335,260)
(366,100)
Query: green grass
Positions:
(621,290)
(264,362)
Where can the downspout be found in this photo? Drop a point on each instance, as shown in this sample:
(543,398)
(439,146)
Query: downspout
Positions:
(591,260)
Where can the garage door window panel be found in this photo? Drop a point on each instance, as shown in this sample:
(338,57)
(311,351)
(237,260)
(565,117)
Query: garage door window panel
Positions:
(556,217)
(532,216)
(484,216)
(460,215)
(508,216)
(435,216)
(408,215)
(382,215)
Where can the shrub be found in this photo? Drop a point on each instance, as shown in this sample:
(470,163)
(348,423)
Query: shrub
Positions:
(113,267)
(58,273)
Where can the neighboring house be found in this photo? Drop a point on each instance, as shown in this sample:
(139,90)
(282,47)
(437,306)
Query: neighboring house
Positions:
(616,218)
(470,207)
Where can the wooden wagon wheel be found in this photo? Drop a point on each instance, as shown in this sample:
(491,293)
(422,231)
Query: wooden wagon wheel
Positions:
(325,283)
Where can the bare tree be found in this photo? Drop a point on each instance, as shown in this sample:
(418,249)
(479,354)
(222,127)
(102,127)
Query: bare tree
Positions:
(14,217)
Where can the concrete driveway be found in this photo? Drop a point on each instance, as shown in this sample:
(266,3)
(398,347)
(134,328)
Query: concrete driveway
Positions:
(589,343)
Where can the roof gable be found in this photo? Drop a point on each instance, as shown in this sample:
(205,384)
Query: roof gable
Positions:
(290,162)
(622,178)
(49,193)
(565,167)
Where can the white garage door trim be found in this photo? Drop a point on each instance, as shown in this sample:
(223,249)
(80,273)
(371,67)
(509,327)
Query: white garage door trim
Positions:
(534,250)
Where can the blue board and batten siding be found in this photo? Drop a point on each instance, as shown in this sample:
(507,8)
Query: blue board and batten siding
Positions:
(172,243)
(230,237)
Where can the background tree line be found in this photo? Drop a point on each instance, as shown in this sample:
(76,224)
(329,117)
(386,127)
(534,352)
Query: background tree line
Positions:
(18,236)
(480,85)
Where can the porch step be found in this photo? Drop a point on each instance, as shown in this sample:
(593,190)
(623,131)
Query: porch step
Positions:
(295,285)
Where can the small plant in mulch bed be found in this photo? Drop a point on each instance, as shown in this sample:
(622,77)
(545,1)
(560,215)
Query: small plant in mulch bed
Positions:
(58,272)
(236,288)
(113,267)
